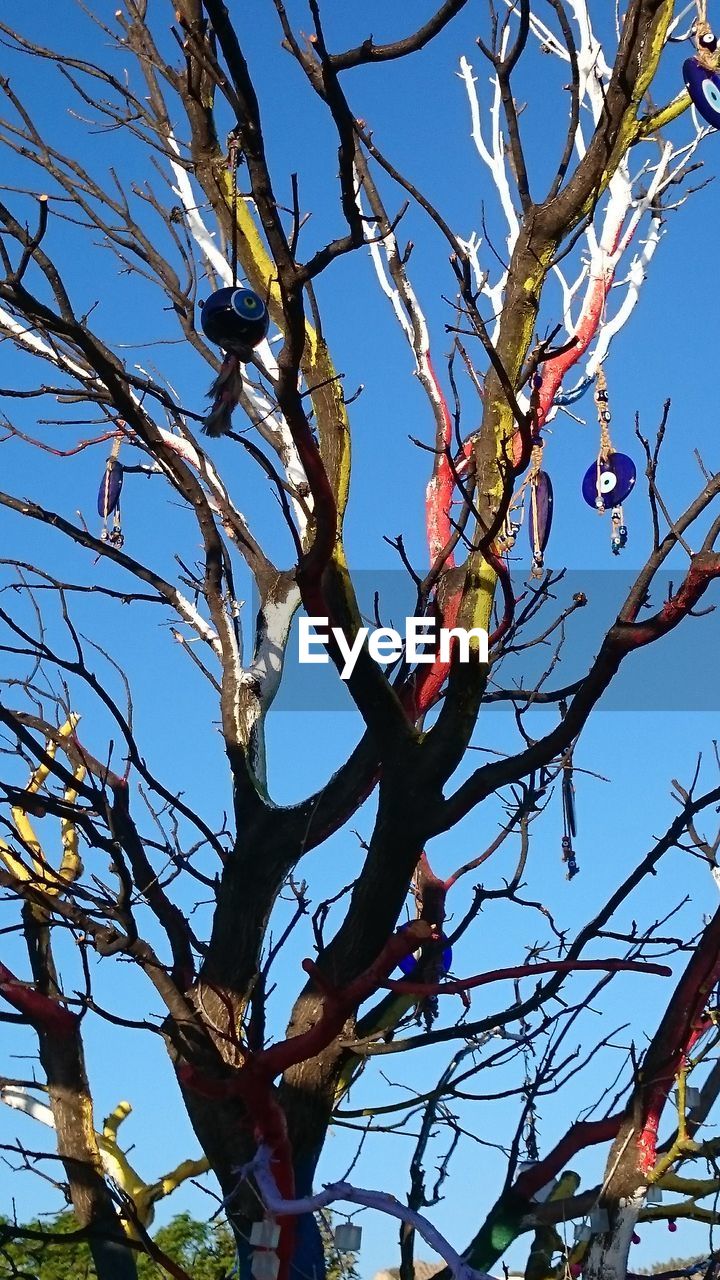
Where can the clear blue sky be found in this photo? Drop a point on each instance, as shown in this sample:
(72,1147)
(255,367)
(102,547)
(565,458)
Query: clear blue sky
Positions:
(418,113)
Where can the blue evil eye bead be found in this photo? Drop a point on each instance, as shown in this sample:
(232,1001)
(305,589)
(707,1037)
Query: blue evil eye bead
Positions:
(235,320)
(542,510)
(613,484)
(110,488)
(704,89)
(409,963)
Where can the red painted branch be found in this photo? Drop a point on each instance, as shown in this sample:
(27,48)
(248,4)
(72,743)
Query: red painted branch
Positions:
(41,1011)
(439,493)
(704,567)
(404,987)
(586,1133)
(431,679)
(680,1027)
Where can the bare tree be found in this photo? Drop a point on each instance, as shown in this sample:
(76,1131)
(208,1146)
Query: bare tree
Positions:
(161,176)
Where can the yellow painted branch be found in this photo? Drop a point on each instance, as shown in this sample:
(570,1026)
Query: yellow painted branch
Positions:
(71,866)
(112,1123)
(694,1187)
(13,864)
(317,366)
(186,1169)
(659,119)
(118,1167)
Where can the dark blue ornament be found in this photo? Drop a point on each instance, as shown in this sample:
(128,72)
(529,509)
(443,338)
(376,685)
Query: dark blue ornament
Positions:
(542,505)
(409,963)
(110,489)
(235,320)
(704,89)
(613,485)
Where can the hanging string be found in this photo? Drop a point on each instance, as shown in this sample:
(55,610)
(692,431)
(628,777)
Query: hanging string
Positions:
(706,50)
(604,416)
(516,510)
(618,528)
(233,155)
(537,569)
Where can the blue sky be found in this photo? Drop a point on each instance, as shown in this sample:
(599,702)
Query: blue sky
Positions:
(418,113)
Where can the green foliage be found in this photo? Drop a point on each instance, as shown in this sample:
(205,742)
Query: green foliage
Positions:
(205,1250)
(38,1260)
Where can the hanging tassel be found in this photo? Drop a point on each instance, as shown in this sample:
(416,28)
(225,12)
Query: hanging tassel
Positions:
(568,796)
(541,508)
(108,502)
(568,806)
(225,391)
(619,531)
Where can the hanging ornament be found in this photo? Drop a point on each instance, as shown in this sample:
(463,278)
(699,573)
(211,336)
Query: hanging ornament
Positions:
(702,72)
(568,795)
(611,478)
(108,502)
(567,790)
(409,964)
(540,515)
(608,483)
(234,319)
(347,1237)
(540,505)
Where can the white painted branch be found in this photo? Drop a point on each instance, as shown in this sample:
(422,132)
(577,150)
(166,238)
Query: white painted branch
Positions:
(544,35)
(382,1201)
(38,346)
(494,160)
(19,1100)
(608,1255)
(264,675)
(397,287)
(203,238)
(634,280)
